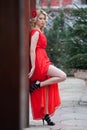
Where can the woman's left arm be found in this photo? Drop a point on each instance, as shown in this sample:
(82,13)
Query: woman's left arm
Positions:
(34,41)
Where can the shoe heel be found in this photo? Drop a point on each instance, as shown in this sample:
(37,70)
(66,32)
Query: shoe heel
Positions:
(48,120)
(43,121)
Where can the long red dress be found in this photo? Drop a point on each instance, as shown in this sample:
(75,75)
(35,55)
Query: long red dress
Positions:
(38,97)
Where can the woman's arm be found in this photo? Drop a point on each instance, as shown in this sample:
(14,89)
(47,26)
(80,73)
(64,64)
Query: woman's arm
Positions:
(34,40)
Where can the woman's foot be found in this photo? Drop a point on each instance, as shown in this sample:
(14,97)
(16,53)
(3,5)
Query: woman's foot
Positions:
(35,86)
(48,120)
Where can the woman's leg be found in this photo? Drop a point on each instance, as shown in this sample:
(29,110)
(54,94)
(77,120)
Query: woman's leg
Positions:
(56,74)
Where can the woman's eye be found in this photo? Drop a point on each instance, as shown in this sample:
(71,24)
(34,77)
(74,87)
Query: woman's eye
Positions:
(40,18)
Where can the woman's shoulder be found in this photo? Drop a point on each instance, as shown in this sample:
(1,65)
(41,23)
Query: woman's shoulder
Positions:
(34,30)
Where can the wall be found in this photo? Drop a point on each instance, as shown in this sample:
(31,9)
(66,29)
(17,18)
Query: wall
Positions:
(9,65)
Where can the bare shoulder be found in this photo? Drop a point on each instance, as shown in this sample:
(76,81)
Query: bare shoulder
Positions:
(35,35)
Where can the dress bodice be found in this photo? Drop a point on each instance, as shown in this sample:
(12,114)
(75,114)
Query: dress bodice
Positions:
(42,41)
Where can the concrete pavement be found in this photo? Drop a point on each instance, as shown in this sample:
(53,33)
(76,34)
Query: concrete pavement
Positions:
(71,115)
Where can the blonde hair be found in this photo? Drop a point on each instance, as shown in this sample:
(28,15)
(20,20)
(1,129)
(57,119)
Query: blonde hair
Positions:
(34,20)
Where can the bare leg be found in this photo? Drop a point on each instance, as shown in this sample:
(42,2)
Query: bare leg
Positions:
(56,74)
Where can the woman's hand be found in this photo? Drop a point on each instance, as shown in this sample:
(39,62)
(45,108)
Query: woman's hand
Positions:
(31,72)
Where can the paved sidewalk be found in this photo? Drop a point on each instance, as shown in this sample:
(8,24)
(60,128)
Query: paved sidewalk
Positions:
(71,115)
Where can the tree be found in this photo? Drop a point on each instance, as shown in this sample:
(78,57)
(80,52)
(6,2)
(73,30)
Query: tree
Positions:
(77,40)
(55,38)
(68,44)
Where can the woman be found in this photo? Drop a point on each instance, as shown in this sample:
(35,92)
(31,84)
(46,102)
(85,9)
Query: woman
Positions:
(44,77)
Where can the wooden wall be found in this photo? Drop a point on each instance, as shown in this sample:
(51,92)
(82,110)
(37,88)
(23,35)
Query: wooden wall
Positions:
(14,63)
(9,65)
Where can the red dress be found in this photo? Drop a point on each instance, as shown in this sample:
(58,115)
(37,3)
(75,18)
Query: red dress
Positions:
(38,97)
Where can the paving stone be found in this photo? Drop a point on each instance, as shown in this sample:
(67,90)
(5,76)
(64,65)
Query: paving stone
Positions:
(70,113)
(72,80)
(74,128)
(82,103)
(36,122)
(84,97)
(69,103)
(70,109)
(74,94)
(71,90)
(72,86)
(75,123)
(72,83)
(73,116)
(70,97)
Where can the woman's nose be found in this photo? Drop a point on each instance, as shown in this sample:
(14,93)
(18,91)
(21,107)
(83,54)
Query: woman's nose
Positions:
(43,20)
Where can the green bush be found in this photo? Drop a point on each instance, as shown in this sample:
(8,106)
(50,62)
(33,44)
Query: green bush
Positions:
(76,45)
(55,38)
(78,61)
(67,45)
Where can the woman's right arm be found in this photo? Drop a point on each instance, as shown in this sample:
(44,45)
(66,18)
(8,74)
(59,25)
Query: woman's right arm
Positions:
(34,40)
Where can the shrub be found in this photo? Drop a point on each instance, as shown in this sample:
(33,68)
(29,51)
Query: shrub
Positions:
(55,38)
(67,45)
(78,61)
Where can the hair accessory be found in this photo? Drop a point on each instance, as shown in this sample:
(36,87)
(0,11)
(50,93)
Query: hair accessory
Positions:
(34,13)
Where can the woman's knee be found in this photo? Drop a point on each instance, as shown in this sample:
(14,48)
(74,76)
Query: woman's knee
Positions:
(56,72)
(63,77)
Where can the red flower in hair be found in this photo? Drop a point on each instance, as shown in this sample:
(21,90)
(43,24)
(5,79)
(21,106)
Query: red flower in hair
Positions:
(34,13)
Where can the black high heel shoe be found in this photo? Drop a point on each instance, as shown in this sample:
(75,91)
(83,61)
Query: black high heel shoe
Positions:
(48,120)
(36,85)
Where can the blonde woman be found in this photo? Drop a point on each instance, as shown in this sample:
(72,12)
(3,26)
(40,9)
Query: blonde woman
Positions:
(44,77)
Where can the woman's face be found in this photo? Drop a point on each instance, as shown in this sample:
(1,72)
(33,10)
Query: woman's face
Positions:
(41,20)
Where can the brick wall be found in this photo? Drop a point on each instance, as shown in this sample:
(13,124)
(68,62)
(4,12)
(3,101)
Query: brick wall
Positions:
(65,2)
(56,2)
